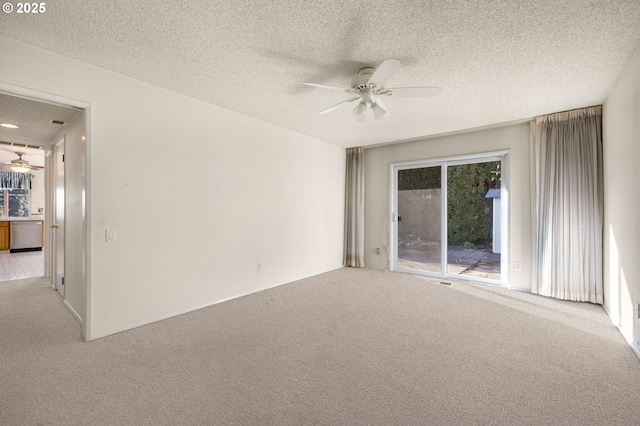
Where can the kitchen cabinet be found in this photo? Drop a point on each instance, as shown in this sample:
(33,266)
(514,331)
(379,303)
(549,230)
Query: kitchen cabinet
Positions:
(4,235)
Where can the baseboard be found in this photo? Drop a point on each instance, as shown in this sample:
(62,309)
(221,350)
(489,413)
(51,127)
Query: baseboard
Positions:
(520,289)
(616,324)
(195,308)
(635,348)
(614,321)
(73,311)
(633,345)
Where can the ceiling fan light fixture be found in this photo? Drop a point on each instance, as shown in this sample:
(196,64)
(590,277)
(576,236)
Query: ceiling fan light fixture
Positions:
(359,112)
(20,168)
(361,118)
(369,86)
(20,165)
(378,111)
(360,109)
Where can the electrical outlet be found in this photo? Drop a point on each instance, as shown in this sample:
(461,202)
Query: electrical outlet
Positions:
(259,266)
(378,250)
(110,235)
(637,310)
(518,265)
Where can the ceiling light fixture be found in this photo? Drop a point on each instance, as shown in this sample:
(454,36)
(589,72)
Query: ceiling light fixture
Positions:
(359,112)
(379,109)
(20,165)
(20,168)
(369,103)
(9,125)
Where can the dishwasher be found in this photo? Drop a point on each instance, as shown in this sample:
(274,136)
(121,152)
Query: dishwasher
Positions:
(25,236)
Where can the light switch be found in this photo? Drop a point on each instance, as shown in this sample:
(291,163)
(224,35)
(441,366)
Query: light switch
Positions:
(110,235)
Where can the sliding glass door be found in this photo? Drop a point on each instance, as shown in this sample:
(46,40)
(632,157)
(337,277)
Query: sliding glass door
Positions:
(448,218)
(419,223)
(472,240)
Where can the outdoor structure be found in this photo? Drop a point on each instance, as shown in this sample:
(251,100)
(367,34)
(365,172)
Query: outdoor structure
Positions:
(497,225)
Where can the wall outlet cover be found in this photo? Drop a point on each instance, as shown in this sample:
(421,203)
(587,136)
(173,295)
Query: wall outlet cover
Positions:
(110,235)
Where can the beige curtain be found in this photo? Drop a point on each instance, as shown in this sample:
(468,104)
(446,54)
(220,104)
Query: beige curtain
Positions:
(569,205)
(354,209)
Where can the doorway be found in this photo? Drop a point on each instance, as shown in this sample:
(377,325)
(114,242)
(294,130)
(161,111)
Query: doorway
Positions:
(67,183)
(449,217)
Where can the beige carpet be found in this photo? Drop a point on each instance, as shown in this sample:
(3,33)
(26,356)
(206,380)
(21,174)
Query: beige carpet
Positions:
(350,347)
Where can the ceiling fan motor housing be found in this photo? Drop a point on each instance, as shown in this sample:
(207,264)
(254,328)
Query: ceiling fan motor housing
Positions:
(360,82)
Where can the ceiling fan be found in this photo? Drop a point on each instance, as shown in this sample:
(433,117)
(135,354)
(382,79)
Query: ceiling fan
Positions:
(21,166)
(369,87)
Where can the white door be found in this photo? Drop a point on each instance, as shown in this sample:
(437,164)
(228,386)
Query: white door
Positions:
(58,225)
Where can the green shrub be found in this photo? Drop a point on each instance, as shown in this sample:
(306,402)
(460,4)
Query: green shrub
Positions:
(469,212)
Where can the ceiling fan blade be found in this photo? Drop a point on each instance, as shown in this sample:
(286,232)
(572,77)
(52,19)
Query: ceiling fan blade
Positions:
(338,106)
(379,109)
(414,92)
(384,72)
(322,86)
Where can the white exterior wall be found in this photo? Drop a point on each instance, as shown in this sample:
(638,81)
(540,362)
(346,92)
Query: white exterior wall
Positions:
(249,192)
(497,225)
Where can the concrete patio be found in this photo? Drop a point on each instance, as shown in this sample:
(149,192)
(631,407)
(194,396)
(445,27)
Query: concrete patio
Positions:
(425,256)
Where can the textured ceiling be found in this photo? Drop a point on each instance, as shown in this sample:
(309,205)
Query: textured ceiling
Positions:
(497,61)
(34,121)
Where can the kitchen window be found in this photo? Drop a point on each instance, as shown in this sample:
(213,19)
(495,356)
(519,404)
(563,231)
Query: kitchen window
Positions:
(15,191)
(14,202)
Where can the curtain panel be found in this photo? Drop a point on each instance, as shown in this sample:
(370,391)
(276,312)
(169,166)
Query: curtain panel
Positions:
(354,209)
(569,205)
(14,180)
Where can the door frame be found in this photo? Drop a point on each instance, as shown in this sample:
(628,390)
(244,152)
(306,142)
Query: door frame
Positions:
(444,162)
(82,251)
(54,234)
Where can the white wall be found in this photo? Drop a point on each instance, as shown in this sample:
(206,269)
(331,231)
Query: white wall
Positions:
(621,140)
(514,138)
(36,196)
(250,192)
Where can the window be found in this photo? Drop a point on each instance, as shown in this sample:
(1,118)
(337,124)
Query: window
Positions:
(14,202)
(15,189)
